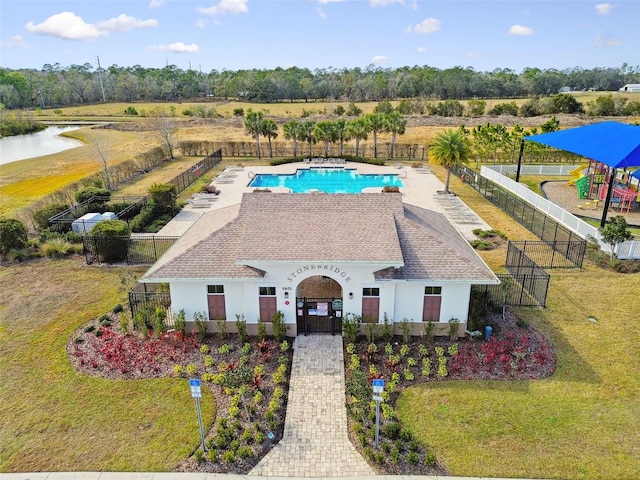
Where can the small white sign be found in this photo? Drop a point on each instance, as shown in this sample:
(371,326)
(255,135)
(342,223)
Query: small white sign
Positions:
(377,398)
(196,390)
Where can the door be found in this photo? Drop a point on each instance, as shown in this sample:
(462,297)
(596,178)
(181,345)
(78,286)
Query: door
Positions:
(319,315)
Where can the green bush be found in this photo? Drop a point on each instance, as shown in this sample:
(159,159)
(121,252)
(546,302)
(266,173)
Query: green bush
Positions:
(57,248)
(146,216)
(42,215)
(163,196)
(180,322)
(279,327)
(112,243)
(88,192)
(13,235)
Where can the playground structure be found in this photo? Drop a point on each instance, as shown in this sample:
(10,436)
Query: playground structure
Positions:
(592,181)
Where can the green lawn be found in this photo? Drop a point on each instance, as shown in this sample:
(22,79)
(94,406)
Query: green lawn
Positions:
(55,419)
(582,422)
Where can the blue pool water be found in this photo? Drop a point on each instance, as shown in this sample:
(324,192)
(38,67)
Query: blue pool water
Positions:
(328,180)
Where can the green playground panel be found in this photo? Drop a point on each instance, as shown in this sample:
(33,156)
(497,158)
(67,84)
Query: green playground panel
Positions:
(582,184)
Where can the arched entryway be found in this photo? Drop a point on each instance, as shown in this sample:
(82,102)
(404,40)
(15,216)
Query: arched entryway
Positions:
(319,306)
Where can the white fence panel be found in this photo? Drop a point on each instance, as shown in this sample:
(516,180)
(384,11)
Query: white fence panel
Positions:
(626,250)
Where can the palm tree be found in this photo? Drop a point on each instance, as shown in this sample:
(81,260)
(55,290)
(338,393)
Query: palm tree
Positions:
(342,133)
(253,125)
(326,132)
(449,147)
(395,124)
(293,131)
(306,134)
(376,124)
(359,130)
(270,130)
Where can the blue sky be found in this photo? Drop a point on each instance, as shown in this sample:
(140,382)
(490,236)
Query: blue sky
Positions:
(265,34)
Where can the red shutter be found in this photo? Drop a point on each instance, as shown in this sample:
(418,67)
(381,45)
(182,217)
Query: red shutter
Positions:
(371,309)
(431,308)
(216,307)
(267,308)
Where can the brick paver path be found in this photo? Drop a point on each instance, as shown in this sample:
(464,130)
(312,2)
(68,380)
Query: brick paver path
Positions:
(315,442)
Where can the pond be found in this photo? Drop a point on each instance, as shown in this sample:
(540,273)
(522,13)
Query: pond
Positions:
(46,142)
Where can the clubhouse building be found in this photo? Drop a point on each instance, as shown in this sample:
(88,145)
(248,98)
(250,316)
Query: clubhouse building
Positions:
(317,258)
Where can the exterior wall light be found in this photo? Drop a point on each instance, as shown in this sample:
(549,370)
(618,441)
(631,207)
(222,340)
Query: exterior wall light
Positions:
(286,294)
(351,295)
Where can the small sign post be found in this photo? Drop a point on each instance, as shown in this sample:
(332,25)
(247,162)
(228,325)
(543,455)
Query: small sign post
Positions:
(196,392)
(378,388)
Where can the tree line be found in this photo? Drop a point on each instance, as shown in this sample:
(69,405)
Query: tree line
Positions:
(490,142)
(57,86)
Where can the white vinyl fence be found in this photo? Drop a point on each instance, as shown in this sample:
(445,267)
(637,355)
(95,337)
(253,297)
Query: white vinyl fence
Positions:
(626,250)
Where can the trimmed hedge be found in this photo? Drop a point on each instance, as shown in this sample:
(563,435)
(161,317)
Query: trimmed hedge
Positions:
(13,235)
(88,192)
(42,215)
(112,244)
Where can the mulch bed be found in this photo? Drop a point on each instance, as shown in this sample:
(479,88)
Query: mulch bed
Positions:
(511,353)
(102,349)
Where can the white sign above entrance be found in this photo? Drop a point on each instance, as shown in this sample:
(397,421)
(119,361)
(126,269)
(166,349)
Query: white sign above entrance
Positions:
(319,269)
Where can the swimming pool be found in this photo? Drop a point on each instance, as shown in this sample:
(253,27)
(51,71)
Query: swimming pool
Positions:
(328,180)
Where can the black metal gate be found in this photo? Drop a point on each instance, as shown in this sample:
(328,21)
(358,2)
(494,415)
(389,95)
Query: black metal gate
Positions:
(319,315)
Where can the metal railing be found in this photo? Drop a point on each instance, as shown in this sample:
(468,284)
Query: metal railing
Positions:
(149,296)
(526,290)
(572,226)
(133,250)
(554,233)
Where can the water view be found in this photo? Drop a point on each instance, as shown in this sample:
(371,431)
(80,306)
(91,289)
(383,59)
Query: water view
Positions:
(328,180)
(46,142)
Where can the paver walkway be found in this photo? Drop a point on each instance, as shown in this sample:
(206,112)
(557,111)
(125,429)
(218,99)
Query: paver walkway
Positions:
(315,441)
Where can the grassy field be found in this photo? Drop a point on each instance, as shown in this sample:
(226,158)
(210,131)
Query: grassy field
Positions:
(56,419)
(279,109)
(25,182)
(581,423)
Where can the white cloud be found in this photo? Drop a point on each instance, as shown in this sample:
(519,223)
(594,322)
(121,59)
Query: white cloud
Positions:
(422,50)
(384,3)
(70,26)
(125,23)
(226,7)
(178,47)
(66,25)
(324,2)
(15,41)
(201,23)
(470,55)
(156,3)
(520,30)
(379,59)
(605,42)
(321,13)
(428,25)
(603,8)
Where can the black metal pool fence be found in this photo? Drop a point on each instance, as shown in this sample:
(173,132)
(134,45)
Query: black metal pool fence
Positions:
(129,250)
(131,206)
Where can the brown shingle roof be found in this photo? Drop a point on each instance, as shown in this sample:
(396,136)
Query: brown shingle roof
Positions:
(368,228)
(320,227)
(434,250)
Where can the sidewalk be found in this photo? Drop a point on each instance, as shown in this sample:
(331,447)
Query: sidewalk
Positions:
(315,441)
(194,476)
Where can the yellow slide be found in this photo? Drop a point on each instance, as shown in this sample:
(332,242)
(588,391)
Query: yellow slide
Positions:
(576,173)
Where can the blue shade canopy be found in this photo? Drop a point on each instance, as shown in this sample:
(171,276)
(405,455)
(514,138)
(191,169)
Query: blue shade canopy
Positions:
(636,174)
(614,144)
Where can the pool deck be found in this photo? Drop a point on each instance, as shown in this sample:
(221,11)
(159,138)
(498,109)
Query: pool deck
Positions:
(421,189)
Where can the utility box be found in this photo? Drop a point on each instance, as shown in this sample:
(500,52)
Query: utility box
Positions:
(85,224)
